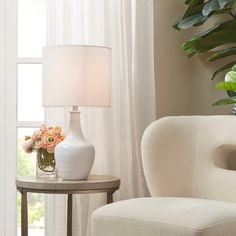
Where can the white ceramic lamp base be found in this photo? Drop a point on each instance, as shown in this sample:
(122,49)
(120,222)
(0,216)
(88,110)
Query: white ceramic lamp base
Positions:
(74,155)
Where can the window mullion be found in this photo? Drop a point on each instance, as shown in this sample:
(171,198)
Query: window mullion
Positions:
(29,60)
(29,124)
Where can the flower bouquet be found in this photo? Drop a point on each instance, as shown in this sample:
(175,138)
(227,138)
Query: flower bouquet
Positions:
(43,142)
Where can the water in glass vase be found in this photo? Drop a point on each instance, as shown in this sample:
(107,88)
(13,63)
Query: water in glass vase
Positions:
(45,164)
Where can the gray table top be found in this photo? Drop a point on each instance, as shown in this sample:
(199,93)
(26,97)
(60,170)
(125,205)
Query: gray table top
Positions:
(94,182)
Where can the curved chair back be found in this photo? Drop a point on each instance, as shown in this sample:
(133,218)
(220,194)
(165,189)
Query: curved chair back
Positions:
(190,156)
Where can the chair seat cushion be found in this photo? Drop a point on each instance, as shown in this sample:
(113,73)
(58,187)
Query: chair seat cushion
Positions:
(165,217)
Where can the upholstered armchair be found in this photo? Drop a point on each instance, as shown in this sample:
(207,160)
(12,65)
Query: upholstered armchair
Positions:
(187,162)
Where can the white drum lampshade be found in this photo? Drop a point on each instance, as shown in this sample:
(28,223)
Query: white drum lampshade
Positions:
(75,76)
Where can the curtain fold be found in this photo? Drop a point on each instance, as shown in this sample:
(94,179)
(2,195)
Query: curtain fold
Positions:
(127,27)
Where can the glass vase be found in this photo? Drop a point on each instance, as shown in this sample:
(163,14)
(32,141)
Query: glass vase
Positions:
(45,164)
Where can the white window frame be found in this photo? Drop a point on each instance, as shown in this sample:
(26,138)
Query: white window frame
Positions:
(8,115)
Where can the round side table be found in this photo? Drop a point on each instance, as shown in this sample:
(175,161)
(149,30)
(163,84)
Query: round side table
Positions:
(94,184)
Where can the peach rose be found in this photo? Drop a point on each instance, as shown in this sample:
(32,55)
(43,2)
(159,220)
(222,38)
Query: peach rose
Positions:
(45,138)
(49,140)
(43,128)
(27,146)
(57,130)
(37,135)
(61,137)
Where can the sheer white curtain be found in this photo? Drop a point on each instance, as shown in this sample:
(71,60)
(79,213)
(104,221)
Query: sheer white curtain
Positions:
(127,27)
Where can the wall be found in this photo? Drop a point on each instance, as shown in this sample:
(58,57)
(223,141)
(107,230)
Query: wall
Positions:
(183,85)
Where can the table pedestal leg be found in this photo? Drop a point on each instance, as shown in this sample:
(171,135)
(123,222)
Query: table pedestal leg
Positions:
(24,214)
(109,198)
(69,215)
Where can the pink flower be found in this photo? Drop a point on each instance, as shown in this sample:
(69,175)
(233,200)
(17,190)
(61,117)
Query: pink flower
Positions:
(43,128)
(60,137)
(27,146)
(45,138)
(38,145)
(49,140)
(37,135)
(57,130)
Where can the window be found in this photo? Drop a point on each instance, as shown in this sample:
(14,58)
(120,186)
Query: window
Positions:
(32,20)
(22,36)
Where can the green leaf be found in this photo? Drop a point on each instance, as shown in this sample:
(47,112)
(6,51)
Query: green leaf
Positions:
(194,8)
(192,20)
(230,77)
(222,34)
(226,101)
(187,2)
(234,68)
(222,54)
(231,93)
(225,10)
(223,68)
(226,86)
(211,6)
(202,11)
(224,3)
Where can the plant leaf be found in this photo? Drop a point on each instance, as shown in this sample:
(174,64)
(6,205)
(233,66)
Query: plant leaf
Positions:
(202,11)
(187,2)
(225,53)
(225,10)
(226,86)
(226,101)
(216,5)
(234,68)
(223,68)
(222,34)
(211,6)
(224,3)
(194,8)
(191,21)
(230,77)
(231,93)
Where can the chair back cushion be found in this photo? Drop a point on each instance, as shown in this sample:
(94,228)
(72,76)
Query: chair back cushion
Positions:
(189,156)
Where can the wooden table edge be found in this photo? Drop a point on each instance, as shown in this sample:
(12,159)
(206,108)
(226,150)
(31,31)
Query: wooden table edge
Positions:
(72,187)
(86,191)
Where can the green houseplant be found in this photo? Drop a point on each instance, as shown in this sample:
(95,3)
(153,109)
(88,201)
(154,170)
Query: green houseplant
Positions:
(224,34)
(230,86)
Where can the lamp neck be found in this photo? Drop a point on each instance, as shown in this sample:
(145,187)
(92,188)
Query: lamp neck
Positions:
(75,125)
(75,108)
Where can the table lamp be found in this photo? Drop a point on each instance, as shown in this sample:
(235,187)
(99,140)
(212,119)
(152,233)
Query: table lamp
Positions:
(76,75)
